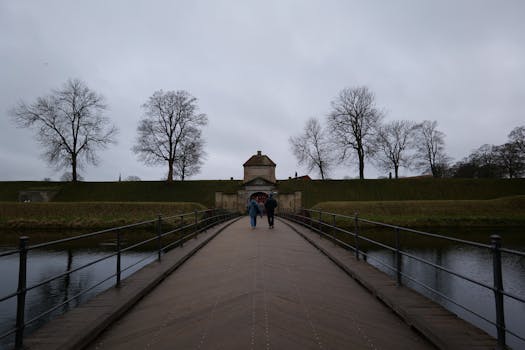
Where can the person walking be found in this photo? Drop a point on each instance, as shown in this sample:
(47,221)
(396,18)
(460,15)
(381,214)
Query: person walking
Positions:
(270,206)
(253,211)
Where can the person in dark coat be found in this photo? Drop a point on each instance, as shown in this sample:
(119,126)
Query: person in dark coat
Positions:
(270,206)
(253,211)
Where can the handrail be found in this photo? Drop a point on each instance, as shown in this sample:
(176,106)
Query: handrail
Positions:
(313,219)
(201,221)
(87,235)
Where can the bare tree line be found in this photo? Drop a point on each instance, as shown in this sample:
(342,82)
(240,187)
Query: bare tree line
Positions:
(71,127)
(495,161)
(355,133)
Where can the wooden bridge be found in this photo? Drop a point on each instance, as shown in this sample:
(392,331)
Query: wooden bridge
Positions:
(259,289)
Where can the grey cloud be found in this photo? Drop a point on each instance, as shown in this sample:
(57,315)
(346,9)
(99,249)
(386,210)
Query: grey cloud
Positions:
(261,69)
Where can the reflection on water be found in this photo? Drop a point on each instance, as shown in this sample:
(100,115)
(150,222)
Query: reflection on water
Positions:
(43,264)
(469,261)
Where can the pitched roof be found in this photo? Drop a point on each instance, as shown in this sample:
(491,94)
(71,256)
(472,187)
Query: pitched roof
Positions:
(258,181)
(259,160)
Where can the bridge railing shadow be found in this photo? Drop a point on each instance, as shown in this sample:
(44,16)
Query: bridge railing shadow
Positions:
(346,231)
(167,232)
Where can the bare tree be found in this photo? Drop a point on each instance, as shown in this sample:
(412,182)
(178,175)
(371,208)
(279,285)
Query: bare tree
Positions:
(69,124)
(510,158)
(481,163)
(190,158)
(517,136)
(353,121)
(430,148)
(312,148)
(132,178)
(168,117)
(393,141)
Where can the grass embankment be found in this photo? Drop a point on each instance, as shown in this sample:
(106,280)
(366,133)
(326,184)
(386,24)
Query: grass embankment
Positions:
(126,191)
(508,211)
(313,192)
(85,215)
(318,191)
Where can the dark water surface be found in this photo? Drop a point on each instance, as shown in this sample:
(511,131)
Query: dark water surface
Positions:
(473,262)
(46,263)
(470,261)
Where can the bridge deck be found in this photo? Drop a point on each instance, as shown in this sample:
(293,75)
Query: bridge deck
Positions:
(259,289)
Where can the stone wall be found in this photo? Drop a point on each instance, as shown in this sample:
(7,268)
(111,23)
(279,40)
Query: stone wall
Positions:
(36,196)
(266,172)
(227,201)
(237,201)
(290,201)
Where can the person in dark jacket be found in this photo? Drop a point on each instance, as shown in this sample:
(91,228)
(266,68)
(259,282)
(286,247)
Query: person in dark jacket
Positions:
(270,206)
(253,211)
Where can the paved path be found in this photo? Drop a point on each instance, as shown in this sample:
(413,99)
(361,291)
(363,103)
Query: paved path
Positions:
(259,289)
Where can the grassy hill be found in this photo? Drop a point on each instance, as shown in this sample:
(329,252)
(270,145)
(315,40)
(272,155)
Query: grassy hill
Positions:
(415,202)
(86,214)
(314,191)
(126,191)
(507,211)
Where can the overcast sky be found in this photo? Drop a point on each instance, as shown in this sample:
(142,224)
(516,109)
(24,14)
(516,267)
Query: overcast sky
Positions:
(260,69)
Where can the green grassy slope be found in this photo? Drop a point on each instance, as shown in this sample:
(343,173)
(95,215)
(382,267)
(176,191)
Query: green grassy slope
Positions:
(9,189)
(86,214)
(127,191)
(508,211)
(317,191)
(314,191)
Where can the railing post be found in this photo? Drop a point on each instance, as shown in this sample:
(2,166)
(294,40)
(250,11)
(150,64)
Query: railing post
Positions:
(196,221)
(398,257)
(159,238)
(320,223)
(334,228)
(356,229)
(21,293)
(498,289)
(118,258)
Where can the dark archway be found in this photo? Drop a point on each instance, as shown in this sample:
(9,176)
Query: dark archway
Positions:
(260,197)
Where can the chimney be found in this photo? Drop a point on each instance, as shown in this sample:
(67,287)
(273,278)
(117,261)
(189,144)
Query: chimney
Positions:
(258,153)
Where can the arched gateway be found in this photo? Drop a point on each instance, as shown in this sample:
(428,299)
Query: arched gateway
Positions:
(260,197)
(258,182)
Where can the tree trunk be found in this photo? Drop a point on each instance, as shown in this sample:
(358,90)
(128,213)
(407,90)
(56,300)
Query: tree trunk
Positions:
(170,171)
(396,170)
(434,171)
(74,168)
(361,165)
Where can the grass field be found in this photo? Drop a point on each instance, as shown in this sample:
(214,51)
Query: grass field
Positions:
(318,191)
(126,191)
(414,202)
(508,211)
(85,215)
(314,192)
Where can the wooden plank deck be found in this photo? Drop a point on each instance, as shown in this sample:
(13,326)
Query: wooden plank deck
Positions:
(260,289)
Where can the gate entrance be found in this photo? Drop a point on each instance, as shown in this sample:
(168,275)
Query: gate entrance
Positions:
(260,197)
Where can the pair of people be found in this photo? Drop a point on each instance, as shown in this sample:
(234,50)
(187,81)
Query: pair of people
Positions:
(254,210)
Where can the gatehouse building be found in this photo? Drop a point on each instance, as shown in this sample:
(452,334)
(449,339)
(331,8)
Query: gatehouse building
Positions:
(258,182)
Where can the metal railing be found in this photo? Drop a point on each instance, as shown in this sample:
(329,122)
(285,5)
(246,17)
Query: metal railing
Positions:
(326,224)
(187,225)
